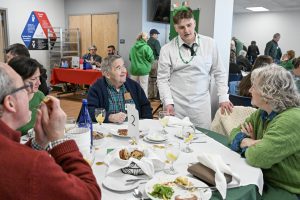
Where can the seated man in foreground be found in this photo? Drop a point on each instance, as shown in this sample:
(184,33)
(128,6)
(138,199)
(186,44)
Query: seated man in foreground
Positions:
(115,90)
(49,166)
(270,138)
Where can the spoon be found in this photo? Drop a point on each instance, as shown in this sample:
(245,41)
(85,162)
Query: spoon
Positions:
(138,194)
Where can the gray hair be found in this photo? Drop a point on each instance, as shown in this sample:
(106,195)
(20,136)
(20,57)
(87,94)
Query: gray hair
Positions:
(107,62)
(276,86)
(6,85)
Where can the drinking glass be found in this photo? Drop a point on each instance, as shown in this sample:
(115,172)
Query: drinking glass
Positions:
(100,115)
(172,151)
(163,117)
(188,134)
(70,123)
(88,154)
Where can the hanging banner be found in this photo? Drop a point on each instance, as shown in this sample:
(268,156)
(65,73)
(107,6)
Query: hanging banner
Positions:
(35,33)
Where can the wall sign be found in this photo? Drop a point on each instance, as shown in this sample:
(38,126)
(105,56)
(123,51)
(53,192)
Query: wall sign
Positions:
(35,32)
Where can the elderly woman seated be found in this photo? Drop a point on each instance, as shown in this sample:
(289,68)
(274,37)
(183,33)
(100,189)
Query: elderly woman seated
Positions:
(115,90)
(269,138)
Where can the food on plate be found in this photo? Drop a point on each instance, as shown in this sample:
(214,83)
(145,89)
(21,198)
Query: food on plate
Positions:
(123,132)
(137,154)
(162,191)
(182,180)
(97,135)
(186,196)
(124,154)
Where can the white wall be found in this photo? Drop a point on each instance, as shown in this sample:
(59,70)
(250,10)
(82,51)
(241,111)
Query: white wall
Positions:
(18,12)
(130,17)
(262,26)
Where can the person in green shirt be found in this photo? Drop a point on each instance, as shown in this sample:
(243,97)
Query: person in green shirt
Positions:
(141,58)
(269,138)
(30,71)
(287,60)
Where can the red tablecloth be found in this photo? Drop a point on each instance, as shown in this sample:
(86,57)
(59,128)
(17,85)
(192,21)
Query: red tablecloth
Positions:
(77,76)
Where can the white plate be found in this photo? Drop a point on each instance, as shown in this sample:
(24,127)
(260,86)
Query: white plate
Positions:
(156,137)
(154,142)
(202,194)
(117,182)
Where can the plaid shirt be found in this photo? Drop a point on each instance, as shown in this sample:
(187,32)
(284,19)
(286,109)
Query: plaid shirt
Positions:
(116,99)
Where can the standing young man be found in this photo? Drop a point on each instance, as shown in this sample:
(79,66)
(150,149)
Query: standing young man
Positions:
(185,67)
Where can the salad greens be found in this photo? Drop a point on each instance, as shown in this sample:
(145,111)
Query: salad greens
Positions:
(162,192)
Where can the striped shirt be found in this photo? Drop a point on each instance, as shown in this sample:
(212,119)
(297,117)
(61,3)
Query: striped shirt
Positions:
(116,99)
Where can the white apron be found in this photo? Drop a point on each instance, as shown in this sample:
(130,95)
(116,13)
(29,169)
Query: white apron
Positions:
(190,89)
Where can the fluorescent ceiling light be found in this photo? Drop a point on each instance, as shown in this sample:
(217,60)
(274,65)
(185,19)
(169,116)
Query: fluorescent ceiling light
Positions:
(257,9)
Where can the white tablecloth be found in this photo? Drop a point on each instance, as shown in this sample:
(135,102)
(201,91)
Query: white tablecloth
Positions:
(248,174)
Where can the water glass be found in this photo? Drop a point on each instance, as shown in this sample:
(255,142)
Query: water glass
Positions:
(172,151)
(188,134)
(163,117)
(100,115)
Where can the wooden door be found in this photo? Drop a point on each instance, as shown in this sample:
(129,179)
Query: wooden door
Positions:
(3,35)
(105,32)
(84,23)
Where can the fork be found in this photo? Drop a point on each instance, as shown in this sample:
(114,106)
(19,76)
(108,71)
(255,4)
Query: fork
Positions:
(135,180)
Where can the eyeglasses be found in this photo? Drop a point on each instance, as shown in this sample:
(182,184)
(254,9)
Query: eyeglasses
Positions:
(27,86)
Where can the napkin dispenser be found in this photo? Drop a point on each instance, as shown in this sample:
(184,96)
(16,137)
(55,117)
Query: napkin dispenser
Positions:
(205,174)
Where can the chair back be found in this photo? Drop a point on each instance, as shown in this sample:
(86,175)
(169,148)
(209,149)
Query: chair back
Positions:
(235,77)
(240,100)
(234,87)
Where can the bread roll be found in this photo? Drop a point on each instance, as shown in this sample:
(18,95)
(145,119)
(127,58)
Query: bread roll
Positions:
(137,154)
(124,154)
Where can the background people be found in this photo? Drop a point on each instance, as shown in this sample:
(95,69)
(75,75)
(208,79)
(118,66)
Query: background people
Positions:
(92,57)
(18,49)
(287,60)
(115,90)
(243,62)
(245,83)
(50,166)
(111,50)
(141,58)
(296,72)
(272,47)
(252,52)
(184,72)
(30,71)
(269,138)
(155,46)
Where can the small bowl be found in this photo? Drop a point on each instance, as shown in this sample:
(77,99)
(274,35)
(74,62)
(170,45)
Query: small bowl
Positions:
(133,169)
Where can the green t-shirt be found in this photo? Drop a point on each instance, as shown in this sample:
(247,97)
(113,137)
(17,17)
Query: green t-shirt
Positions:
(33,103)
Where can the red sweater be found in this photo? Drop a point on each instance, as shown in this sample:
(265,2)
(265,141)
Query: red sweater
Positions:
(29,174)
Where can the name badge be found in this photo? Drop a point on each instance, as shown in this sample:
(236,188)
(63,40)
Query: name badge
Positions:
(127,96)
